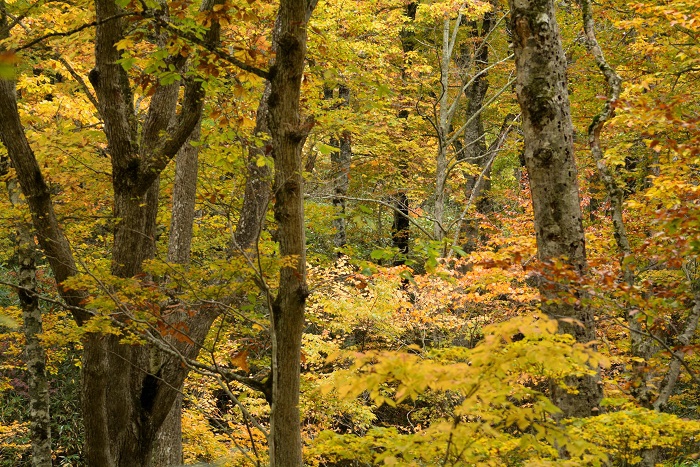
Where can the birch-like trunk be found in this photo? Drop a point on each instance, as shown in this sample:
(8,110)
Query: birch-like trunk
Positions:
(35,355)
(443,128)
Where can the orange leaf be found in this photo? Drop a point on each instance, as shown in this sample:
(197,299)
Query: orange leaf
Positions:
(240,359)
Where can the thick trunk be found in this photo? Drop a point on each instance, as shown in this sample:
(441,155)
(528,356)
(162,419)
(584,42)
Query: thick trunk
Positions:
(542,93)
(288,135)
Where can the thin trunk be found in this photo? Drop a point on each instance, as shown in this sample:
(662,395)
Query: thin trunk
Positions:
(288,136)
(341,182)
(39,414)
(474,149)
(168,443)
(542,93)
(642,346)
(400,229)
(184,197)
(259,182)
(674,370)
(481,183)
(443,128)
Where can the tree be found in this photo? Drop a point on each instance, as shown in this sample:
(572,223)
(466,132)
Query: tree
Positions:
(288,134)
(120,428)
(39,411)
(541,87)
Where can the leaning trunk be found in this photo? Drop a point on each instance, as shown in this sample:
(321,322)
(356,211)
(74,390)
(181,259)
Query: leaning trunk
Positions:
(542,93)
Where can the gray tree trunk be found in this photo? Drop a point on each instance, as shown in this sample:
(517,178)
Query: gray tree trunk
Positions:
(341,164)
(168,443)
(39,413)
(542,93)
(474,150)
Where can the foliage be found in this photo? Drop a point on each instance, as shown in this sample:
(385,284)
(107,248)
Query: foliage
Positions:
(442,360)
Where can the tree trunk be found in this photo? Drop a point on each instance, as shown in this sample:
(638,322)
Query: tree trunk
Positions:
(474,151)
(400,229)
(168,444)
(443,129)
(341,181)
(39,414)
(288,136)
(259,182)
(542,93)
(127,390)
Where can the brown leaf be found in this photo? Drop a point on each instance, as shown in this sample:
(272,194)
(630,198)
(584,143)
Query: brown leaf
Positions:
(240,360)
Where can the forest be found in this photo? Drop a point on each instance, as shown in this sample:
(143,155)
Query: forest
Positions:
(345,233)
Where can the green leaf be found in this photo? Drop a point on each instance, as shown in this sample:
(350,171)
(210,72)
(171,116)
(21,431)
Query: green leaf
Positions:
(7,65)
(326,149)
(8,322)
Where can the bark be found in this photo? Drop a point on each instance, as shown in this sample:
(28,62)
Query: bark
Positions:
(400,229)
(288,134)
(674,370)
(168,443)
(341,182)
(474,149)
(542,93)
(37,382)
(36,192)
(481,185)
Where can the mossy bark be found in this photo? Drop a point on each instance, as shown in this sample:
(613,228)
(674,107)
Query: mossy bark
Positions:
(541,87)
